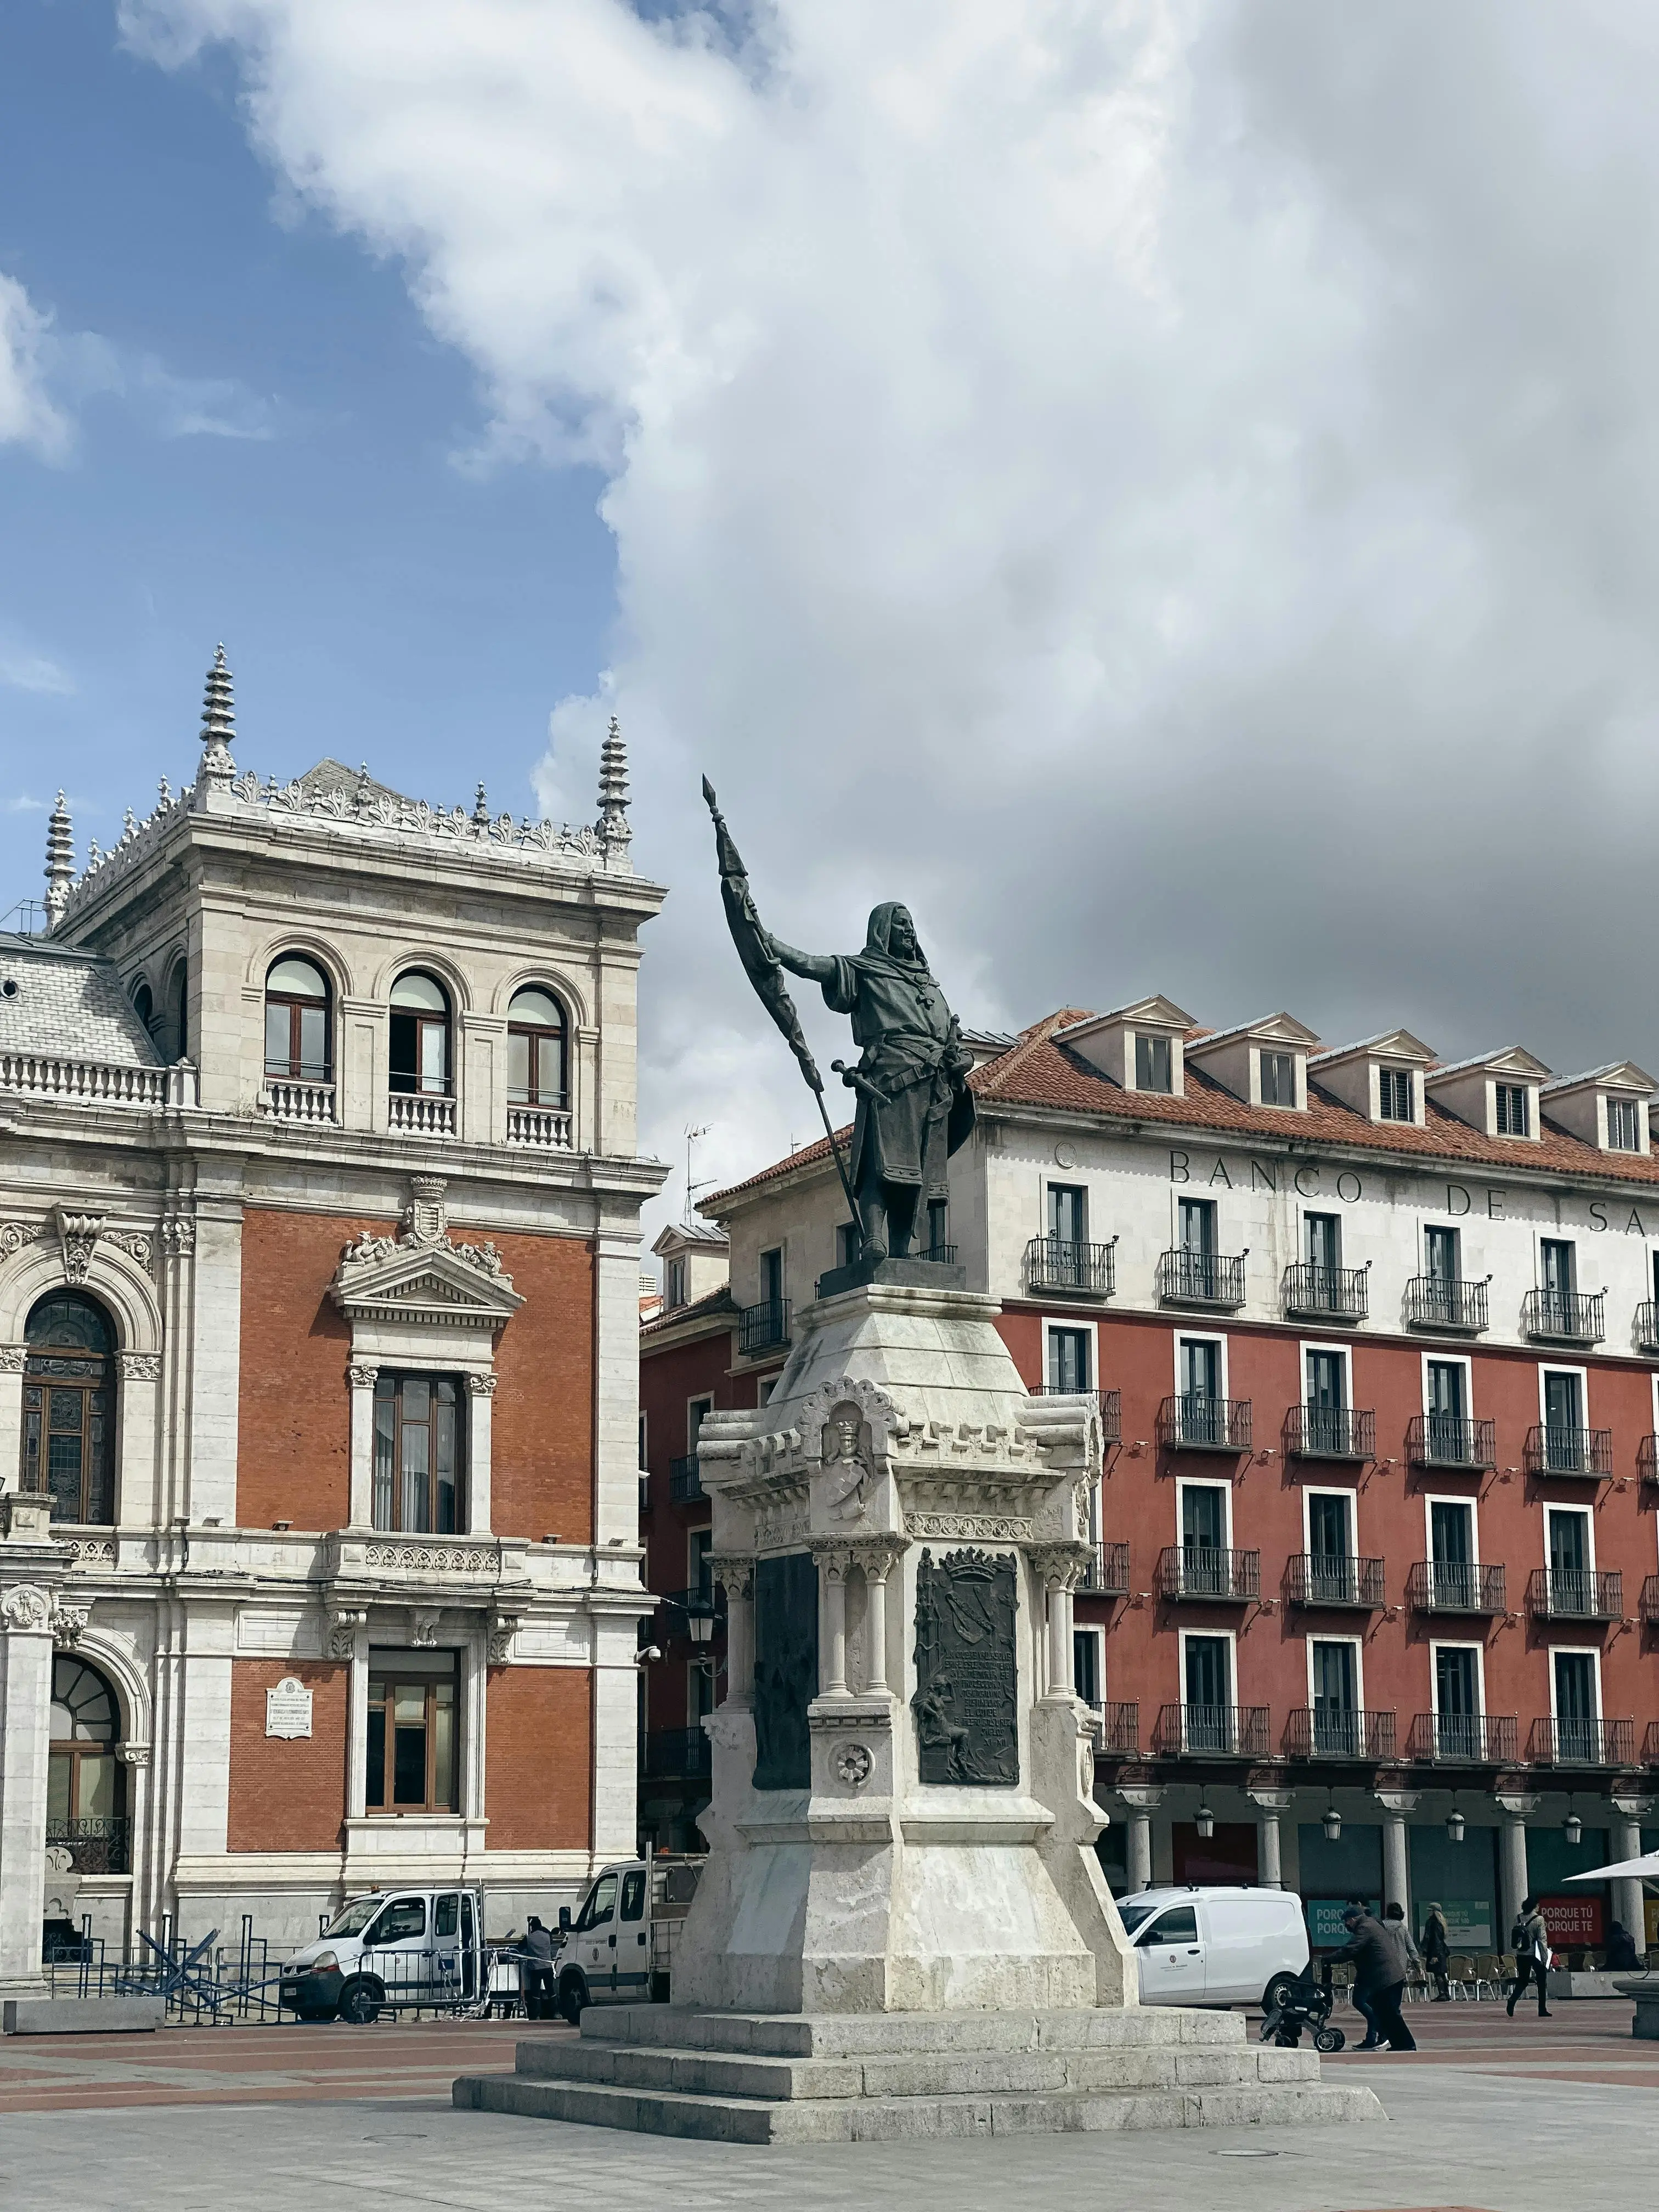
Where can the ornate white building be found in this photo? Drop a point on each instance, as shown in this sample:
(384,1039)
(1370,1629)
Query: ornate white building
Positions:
(319,1302)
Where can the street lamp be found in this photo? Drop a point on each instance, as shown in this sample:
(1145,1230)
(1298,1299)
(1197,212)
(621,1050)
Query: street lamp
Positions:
(700,1620)
(1572,1828)
(1204,1820)
(1454,1822)
(1333,1822)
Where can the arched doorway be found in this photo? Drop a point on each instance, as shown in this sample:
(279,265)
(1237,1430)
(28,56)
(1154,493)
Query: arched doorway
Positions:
(69,1407)
(86,1786)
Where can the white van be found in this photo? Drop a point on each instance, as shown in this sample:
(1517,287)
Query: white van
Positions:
(397,1947)
(1215,1946)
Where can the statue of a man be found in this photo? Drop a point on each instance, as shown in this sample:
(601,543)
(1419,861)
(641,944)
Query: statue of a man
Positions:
(914,1104)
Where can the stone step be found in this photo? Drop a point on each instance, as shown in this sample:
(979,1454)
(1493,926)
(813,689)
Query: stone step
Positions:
(885,2119)
(706,2073)
(836,2035)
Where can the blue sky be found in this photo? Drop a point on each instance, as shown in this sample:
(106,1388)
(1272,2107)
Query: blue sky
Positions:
(374,597)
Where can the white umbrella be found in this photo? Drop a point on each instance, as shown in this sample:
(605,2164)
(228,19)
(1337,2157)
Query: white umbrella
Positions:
(1646,1869)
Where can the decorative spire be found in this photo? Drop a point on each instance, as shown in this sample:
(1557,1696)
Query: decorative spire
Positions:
(218,724)
(60,862)
(615,834)
(481,810)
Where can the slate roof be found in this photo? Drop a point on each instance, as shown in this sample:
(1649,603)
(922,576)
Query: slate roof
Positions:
(703,1308)
(332,776)
(1041,1072)
(68,1004)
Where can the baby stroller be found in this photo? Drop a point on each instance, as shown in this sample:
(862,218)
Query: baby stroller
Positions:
(1302,2003)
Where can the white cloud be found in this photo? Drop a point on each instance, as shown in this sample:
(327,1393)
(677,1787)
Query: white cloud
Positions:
(24,670)
(23,805)
(28,416)
(1165,485)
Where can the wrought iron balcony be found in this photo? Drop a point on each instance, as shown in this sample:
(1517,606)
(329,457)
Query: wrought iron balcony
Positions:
(1576,1594)
(1650,1601)
(940,1256)
(1455,1586)
(1082,1270)
(759,1328)
(678,1754)
(1212,1732)
(1207,1575)
(1449,1440)
(1454,1306)
(1647,1460)
(1325,1294)
(1570,1451)
(1120,1732)
(685,1480)
(1314,1578)
(1200,1279)
(1320,1731)
(1464,1738)
(1192,1422)
(1330,1433)
(1564,1316)
(1647,1328)
(1107,1574)
(1567,1742)
(1650,1745)
(100,1846)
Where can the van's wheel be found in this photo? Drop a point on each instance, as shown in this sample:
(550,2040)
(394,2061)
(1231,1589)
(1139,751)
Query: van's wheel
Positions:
(1329,2038)
(1278,1992)
(573,1996)
(359,2002)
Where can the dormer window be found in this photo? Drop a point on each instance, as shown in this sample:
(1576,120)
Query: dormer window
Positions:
(296,1021)
(1509,1110)
(1263,1062)
(1607,1108)
(1624,1126)
(419,1057)
(1154,1068)
(1395,1102)
(1279,1078)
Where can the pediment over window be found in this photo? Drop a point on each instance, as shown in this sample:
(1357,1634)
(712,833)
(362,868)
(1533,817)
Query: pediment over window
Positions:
(428,1281)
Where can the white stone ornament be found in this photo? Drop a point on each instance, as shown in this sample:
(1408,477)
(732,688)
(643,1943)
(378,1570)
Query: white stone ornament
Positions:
(287,1708)
(854,1764)
(25,1606)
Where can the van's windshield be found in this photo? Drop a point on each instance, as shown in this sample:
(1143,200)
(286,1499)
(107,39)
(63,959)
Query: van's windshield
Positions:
(355,1917)
(1132,1915)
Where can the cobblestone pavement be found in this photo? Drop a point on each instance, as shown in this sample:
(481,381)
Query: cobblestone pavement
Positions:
(1499,2115)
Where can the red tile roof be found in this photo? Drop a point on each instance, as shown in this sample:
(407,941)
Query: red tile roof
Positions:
(1039,1071)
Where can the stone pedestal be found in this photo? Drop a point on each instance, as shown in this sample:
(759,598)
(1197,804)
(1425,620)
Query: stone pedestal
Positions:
(903,1927)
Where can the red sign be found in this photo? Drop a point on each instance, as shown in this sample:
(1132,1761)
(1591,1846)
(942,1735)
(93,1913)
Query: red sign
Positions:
(1575,1924)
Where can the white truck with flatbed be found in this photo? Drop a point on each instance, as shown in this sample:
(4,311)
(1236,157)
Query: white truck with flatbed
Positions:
(617,1947)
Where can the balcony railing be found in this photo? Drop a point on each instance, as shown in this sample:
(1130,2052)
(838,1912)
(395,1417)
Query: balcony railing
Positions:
(546,1127)
(1449,1440)
(1647,1328)
(1056,1263)
(1576,1594)
(1464,1738)
(940,1256)
(1570,1451)
(1650,1601)
(1120,1732)
(102,1846)
(1107,1574)
(685,1480)
(1321,1732)
(1583,1743)
(1330,1433)
(1325,1294)
(1207,1575)
(1314,1578)
(1650,1745)
(1455,1306)
(419,1114)
(287,1100)
(100,1083)
(1192,1422)
(1455,1586)
(680,1755)
(759,1328)
(1200,1279)
(1213,1731)
(1564,1316)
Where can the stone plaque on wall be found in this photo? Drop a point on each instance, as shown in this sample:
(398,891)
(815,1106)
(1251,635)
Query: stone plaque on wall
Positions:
(287,1708)
(785,1670)
(966,1704)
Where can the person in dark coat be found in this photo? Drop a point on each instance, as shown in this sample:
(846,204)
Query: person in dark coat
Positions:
(537,1971)
(1379,1977)
(1623,1958)
(1436,1946)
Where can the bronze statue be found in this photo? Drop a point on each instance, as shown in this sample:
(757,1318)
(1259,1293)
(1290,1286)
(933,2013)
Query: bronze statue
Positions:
(914,1107)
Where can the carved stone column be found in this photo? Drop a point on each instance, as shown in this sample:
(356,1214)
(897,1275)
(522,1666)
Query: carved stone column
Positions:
(362,1379)
(1634,1812)
(1061,1567)
(735,1573)
(834,1557)
(1143,1800)
(480,1398)
(1515,1805)
(1271,1803)
(1397,1805)
(877,1556)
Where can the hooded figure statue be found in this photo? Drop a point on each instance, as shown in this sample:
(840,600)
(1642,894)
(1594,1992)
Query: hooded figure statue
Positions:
(914,1104)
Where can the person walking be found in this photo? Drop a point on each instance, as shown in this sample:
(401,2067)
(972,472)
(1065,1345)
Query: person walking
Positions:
(1532,1956)
(1436,1953)
(1380,1967)
(537,1952)
(1404,1961)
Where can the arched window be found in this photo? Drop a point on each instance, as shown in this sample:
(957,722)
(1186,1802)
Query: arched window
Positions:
(85,1780)
(296,1021)
(419,1058)
(177,1043)
(536,1050)
(69,1407)
(144,1005)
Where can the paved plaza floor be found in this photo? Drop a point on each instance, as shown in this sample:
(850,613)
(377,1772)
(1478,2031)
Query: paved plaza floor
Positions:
(1500,2116)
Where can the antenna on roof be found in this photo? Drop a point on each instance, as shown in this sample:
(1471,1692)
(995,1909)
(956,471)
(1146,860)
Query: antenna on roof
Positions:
(691,1137)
